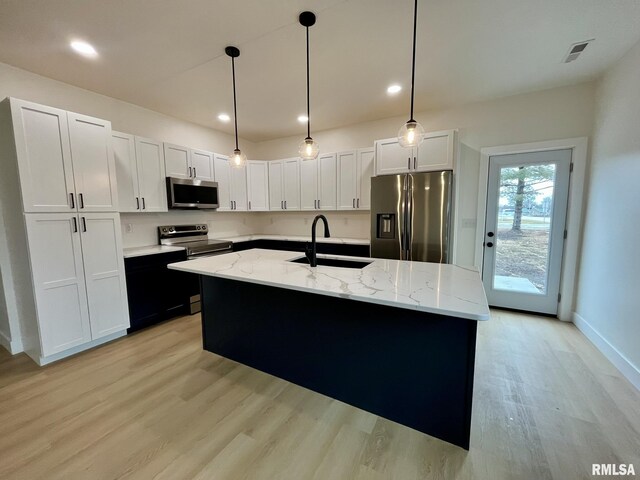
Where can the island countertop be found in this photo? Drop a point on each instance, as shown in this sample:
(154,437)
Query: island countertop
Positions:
(429,287)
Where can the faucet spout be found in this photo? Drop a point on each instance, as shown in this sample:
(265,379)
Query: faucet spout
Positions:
(311,253)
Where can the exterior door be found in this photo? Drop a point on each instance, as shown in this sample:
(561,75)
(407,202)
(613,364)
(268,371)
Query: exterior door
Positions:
(524,229)
(94,168)
(100,234)
(44,157)
(58,276)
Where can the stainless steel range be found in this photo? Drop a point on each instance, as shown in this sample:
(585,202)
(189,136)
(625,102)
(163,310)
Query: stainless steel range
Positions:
(195,240)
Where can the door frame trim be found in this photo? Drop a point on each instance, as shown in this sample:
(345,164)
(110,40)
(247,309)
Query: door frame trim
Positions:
(579,146)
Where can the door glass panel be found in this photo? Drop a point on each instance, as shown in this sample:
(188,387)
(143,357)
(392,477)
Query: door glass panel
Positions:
(523,229)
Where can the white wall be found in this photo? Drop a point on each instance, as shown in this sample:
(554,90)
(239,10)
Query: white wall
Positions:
(608,302)
(551,114)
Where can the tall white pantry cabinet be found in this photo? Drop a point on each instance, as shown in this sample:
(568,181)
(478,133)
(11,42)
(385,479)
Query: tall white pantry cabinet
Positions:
(63,259)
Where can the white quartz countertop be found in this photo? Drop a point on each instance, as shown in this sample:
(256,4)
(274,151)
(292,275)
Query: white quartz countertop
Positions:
(429,287)
(296,238)
(149,250)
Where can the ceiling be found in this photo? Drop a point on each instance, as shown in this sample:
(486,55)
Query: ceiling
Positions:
(168,55)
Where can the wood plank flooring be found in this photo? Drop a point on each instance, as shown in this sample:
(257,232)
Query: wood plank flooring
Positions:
(154,405)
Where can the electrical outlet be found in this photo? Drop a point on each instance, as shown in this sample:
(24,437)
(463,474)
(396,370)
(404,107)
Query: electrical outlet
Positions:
(129,228)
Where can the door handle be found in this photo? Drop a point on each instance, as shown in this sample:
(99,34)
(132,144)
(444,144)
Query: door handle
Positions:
(75,225)
(409,163)
(73,203)
(81,197)
(354,203)
(315,204)
(137,203)
(489,244)
(318,204)
(190,172)
(281,204)
(195,173)
(84,224)
(357,203)
(144,204)
(414,163)
(249,204)
(285,204)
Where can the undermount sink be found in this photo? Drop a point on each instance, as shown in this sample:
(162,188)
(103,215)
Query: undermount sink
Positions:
(334,262)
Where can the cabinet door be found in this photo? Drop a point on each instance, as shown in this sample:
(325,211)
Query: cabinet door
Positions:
(202,164)
(327,179)
(58,277)
(94,168)
(104,273)
(44,157)
(223,177)
(365,172)
(436,152)
(151,175)
(276,190)
(308,184)
(291,183)
(176,161)
(258,185)
(124,154)
(239,188)
(392,158)
(347,180)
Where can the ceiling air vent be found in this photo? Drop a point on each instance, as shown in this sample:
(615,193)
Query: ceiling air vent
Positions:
(575,50)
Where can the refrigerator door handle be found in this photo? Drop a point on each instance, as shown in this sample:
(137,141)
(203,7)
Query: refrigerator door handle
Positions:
(409,212)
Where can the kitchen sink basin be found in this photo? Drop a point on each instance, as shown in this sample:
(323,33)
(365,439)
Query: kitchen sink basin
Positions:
(334,262)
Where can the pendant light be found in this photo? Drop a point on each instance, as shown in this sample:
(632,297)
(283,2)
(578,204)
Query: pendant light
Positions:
(238,159)
(411,133)
(309,148)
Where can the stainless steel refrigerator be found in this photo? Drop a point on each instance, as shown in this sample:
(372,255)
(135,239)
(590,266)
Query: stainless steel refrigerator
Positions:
(411,216)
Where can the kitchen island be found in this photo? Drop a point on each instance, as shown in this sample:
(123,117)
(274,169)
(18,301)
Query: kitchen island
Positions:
(395,338)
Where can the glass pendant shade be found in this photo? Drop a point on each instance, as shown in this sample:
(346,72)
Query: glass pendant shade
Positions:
(238,159)
(410,134)
(309,149)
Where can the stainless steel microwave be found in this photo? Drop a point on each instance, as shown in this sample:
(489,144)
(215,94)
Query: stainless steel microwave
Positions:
(191,193)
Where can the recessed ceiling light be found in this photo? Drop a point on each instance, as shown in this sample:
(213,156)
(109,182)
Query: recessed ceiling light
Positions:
(393,89)
(303,118)
(223,117)
(83,48)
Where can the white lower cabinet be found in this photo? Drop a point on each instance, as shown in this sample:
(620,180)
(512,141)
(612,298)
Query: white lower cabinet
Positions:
(78,276)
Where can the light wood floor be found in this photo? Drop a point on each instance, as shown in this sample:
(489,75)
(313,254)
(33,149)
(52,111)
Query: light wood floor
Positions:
(155,405)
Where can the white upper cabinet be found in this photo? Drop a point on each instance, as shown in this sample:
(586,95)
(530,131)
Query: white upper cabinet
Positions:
(58,280)
(151,176)
(347,180)
(355,168)
(124,153)
(327,178)
(258,185)
(232,185)
(284,184)
(176,161)
(184,162)
(309,184)
(276,185)
(100,234)
(435,153)
(365,160)
(44,157)
(318,183)
(201,163)
(65,160)
(94,167)
(140,172)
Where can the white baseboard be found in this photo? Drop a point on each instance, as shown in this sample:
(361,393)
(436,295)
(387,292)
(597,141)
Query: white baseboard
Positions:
(622,363)
(12,346)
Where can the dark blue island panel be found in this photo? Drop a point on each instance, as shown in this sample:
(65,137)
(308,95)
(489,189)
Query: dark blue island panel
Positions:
(411,367)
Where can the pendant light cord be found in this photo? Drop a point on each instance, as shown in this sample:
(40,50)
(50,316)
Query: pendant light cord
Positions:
(308,108)
(413,64)
(235,110)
